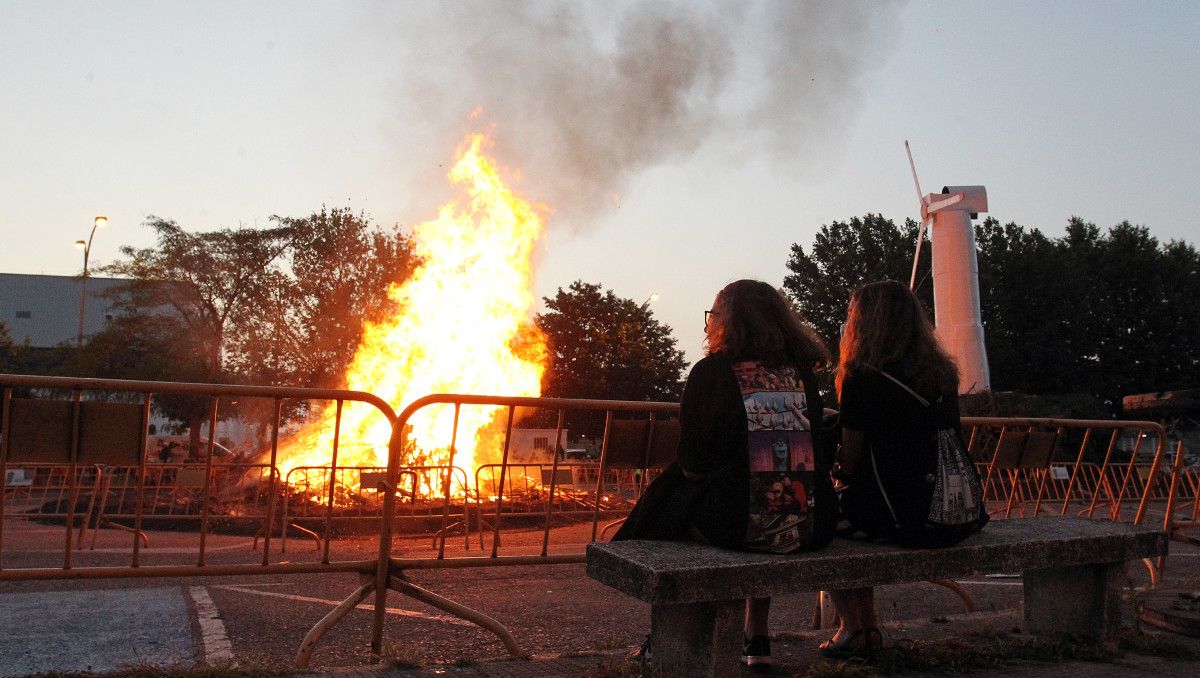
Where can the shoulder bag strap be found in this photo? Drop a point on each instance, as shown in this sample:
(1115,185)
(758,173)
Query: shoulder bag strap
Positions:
(906,388)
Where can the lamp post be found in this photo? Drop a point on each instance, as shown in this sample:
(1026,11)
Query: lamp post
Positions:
(87,250)
(650,300)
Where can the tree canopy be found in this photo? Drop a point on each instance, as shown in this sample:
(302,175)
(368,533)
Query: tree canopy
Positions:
(609,347)
(306,327)
(277,305)
(1095,313)
(1106,313)
(205,281)
(282,305)
(846,254)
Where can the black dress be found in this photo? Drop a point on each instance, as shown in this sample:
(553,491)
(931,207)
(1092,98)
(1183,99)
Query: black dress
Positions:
(900,433)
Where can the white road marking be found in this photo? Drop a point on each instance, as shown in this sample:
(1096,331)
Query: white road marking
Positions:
(362,606)
(218,651)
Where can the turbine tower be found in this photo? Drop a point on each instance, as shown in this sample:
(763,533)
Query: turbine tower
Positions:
(955,276)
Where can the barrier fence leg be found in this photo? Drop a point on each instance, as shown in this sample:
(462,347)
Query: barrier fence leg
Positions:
(304,655)
(962,593)
(399,584)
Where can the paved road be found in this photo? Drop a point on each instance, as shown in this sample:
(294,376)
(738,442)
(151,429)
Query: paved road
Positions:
(261,619)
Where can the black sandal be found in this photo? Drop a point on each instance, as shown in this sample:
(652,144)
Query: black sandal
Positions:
(862,644)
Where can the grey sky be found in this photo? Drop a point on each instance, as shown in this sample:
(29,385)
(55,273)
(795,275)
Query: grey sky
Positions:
(218,113)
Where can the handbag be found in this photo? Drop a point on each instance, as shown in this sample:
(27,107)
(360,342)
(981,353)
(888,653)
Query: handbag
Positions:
(956,507)
(664,510)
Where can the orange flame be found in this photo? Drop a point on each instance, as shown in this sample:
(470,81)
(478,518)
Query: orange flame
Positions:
(463,326)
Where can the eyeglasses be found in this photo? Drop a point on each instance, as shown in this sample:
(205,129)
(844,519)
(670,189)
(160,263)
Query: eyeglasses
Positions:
(707,316)
(774,492)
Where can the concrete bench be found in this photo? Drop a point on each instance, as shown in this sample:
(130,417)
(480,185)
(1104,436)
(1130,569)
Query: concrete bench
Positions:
(1073,575)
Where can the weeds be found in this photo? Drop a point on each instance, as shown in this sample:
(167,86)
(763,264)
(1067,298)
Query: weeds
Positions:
(617,668)
(399,656)
(173,672)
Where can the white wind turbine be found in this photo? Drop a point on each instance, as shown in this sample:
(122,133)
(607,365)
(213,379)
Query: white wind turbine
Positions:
(955,275)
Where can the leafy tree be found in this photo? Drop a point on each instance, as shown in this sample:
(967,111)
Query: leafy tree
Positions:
(149,347)
(9,362)
(608,347)
(1027,288)
(1141,310)
(310,321)
(205,281)
(281,305)
(846,254)
(1089,316)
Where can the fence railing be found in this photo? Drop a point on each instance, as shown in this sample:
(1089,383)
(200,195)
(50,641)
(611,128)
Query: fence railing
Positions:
(83,466)
(1065,466)
(90,436)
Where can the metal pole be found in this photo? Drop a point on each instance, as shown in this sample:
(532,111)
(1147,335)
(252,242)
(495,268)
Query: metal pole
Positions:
(83,295)
(87,251)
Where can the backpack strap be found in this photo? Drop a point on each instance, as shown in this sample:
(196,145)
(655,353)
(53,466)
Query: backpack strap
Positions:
(906,388)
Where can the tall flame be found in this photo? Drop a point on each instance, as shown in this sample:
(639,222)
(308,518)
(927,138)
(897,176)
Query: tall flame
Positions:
(463,326)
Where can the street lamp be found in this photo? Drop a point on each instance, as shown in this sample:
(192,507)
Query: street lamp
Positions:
(650,300)
(87,250)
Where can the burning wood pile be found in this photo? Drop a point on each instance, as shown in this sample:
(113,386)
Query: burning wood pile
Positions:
(464,326)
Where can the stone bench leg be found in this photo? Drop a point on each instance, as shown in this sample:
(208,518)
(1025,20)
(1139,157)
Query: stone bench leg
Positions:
(697,639)
(1083,600)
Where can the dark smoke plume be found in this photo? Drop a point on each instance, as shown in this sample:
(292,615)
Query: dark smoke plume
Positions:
(586,95)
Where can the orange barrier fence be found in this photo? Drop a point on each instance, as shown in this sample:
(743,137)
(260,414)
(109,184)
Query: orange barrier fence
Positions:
(1099,468)
(79,463)
(626,444)
(61,428)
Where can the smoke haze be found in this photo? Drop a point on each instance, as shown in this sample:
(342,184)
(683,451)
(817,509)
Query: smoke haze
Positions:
(584,96)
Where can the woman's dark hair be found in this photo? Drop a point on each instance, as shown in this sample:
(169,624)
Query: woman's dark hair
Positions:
(887,326)
(754,321)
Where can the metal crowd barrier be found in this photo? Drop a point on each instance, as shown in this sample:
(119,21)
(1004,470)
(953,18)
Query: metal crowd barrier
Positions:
(390,572)
(52,426)
(1062,466)
(73,446)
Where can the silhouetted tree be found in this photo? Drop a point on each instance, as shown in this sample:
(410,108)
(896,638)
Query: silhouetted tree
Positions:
(307,325)
(846,254)
(608,347)
(1092,313)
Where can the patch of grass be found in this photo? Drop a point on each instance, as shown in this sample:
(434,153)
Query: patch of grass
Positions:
(1153,645)
(993,649)
(399,656)
(146,671)
(824,668)
(582,653)
(617,668)
(983,650)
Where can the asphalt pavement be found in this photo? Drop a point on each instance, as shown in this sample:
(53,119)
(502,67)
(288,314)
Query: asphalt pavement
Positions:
(556,613)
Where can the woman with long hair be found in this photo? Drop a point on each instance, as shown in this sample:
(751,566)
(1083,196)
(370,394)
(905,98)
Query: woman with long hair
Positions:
(897,387)
(751,467)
